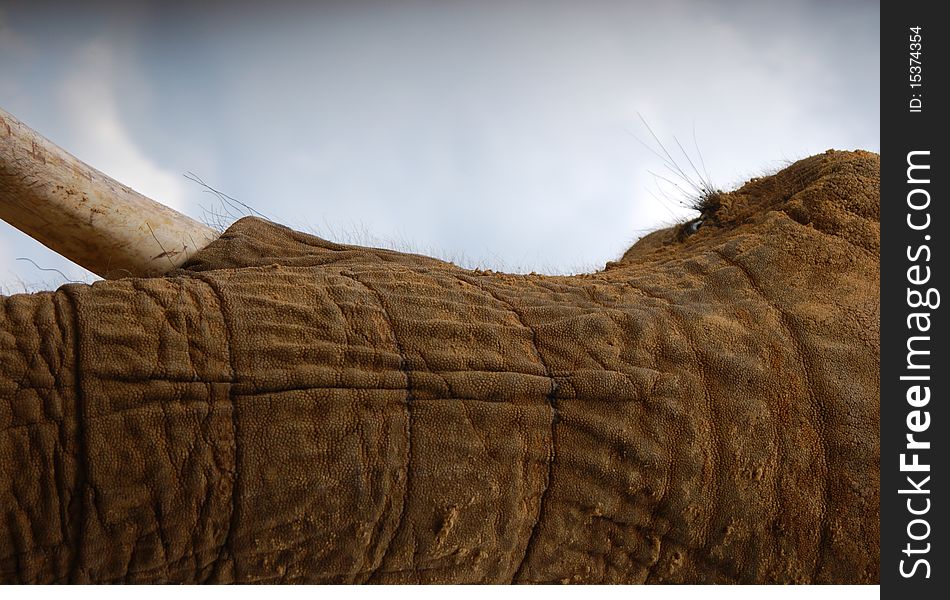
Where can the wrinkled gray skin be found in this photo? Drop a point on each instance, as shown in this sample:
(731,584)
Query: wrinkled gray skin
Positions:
(286,409)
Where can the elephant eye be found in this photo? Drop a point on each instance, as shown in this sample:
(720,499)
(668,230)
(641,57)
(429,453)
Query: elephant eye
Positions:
(693,226)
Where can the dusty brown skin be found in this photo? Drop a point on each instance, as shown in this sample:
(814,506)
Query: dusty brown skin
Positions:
(285,409)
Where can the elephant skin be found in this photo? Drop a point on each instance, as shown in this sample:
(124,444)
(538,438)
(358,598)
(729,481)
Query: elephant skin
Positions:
(286,409)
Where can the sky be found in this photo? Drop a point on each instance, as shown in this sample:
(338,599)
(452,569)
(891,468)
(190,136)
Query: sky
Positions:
(497,134)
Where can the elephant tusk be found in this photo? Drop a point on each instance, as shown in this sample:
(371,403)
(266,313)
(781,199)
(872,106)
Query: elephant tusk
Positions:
(86,216)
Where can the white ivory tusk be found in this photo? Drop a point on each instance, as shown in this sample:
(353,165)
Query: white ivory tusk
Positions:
(86,216)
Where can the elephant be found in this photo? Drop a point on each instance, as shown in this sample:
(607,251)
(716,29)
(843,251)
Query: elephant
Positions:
(267,406)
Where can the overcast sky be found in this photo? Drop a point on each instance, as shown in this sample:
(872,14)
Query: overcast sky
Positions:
(500,134)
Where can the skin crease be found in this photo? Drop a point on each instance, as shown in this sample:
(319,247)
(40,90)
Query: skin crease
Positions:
(286,409)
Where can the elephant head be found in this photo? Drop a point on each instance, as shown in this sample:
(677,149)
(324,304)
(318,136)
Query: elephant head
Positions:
(280,408)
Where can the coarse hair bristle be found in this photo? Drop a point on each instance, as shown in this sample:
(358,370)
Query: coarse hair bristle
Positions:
(694,183)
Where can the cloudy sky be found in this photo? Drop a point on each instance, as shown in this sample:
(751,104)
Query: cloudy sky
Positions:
(500,134)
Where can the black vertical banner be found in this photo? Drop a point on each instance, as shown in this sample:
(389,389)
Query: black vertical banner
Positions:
(915,268)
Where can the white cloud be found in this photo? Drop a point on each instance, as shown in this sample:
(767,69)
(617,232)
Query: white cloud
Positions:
(90,95)
(457,128)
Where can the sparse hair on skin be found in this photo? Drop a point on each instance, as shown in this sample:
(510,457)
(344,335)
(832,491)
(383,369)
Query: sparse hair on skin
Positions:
(231,209)
(700,194)
(17,285)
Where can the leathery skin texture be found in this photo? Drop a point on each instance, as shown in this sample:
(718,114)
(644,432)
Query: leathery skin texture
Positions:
(286,409)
